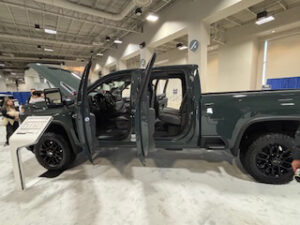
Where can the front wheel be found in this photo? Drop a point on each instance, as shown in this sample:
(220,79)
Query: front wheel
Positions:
(53,152)
(268,158)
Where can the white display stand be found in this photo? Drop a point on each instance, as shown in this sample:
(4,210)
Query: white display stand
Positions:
(29,133)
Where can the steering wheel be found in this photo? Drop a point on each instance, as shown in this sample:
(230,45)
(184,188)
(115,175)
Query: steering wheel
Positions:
(103,102)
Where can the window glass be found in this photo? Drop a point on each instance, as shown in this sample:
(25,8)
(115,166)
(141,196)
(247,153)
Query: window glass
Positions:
(172,97)
(160,87)
(118,88)
(174,93)
(126,92)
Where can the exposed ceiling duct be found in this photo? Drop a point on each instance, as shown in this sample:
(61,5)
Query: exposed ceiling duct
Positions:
(94,12)
(42,40)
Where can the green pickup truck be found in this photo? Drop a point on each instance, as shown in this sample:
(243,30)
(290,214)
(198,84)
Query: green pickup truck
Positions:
(163,107)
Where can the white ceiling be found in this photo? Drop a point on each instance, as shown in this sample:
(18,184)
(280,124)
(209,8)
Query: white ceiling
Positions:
(80,34)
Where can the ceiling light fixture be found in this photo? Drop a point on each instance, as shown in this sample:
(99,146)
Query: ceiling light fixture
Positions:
(263,18)
(152,17)
(8,54)
(12,73)
(99,54)
(37,26)
(2,64)
(97,43)
(48,50)
(181,46)
(142,45)
(117,41)
(138,11)
(50,31)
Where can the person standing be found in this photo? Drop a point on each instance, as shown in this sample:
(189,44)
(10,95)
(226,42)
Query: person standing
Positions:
(36,97)
(11,118)
(296,161)
(31,92)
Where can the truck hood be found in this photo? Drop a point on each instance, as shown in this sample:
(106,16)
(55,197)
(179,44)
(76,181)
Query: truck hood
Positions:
(65,80)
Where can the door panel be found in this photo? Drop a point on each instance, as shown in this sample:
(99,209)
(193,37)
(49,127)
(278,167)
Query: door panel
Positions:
(144,111)
(85,121)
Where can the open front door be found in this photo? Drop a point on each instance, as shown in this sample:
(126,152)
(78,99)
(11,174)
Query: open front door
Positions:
(85,121)
(144,113)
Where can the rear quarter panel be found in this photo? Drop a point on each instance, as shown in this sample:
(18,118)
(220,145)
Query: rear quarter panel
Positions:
(228,114)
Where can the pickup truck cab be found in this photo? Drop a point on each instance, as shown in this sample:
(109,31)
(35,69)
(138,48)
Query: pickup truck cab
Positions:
(163,108)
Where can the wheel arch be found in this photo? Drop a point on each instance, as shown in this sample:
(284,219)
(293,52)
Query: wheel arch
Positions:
(58,127)
(288,125)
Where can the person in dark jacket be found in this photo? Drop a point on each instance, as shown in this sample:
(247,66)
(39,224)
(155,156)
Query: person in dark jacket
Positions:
(11,118)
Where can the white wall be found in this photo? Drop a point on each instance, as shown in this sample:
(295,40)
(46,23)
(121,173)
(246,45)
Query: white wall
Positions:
(3,87)
(284,57)
(212,71)
(172,57)
(32,80)
(238,66)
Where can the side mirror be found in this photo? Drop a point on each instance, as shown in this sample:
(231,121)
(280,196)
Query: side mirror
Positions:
(69,102)
(53,97)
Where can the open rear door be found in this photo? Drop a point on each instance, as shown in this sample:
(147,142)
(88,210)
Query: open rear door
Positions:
(144,113)
(85,121)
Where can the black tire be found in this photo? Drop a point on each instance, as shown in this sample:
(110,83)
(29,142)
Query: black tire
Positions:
(268,158)
(53,152)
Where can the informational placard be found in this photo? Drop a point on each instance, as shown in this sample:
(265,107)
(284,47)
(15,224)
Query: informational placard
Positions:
(28,133)
(32,127)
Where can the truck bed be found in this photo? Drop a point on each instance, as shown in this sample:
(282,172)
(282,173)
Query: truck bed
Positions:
(227,114)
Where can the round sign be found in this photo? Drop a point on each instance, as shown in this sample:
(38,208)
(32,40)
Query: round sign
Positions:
(194,44)
(143,62)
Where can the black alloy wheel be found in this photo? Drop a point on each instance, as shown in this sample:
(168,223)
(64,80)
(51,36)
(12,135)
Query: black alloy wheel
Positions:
(274,160)
(53,152)
(268,158)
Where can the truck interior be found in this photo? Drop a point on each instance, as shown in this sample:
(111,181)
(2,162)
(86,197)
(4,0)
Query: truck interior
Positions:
(111,103)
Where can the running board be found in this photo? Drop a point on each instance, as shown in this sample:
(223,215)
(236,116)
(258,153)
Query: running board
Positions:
(221,147)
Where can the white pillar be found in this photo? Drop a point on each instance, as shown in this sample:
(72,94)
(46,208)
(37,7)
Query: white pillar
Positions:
(145,54)
(238,65)
(199,31)
(96,68)
(105,70)
(2,83)
(121,65)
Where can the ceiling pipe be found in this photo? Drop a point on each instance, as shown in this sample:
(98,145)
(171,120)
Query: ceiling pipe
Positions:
(48,41)
(43,53)
(94,12)
(33,59)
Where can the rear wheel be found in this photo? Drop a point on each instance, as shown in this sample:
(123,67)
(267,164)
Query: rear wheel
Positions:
(53,152)
(268,158)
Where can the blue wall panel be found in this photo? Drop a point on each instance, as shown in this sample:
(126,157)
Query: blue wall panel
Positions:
(284,83)
(21,96)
